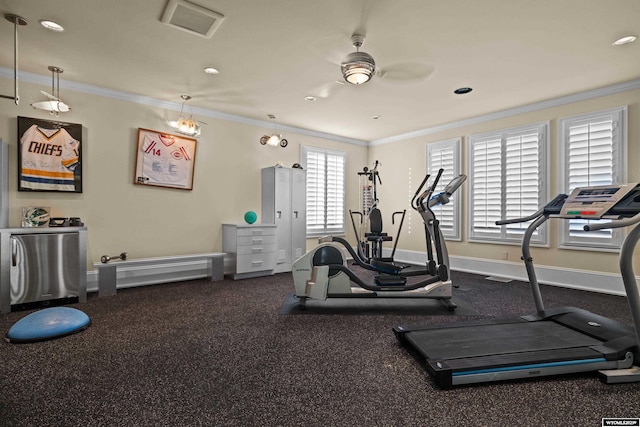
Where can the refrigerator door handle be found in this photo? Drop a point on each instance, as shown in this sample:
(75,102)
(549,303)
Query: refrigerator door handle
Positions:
(14,251)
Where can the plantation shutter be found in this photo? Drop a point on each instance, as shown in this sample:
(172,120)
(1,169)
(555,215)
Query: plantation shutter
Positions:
(487,186)
(335,194)
(592,152)
(508,180)
(325,191)
(446,155)
(522,181)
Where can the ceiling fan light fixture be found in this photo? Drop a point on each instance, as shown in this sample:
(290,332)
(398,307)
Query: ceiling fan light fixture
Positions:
(358,68)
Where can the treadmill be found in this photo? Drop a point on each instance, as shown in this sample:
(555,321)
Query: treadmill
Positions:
(551,341)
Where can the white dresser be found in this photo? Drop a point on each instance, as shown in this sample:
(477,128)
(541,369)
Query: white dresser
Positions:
(250,248)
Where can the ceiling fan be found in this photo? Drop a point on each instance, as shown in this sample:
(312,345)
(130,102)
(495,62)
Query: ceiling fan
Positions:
(360,67)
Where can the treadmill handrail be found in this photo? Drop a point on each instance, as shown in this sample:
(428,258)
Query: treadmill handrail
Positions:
(614,223)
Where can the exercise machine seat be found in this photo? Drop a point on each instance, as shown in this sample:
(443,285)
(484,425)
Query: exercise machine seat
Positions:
(375,221)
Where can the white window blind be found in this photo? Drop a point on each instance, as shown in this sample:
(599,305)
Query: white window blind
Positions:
(592,152)
(507,174)
(446,155)
(325,190)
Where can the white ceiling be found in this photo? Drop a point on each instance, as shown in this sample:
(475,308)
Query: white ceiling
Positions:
(273,53)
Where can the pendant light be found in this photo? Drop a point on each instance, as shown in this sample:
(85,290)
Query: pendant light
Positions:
(16,20)
(54,104)
(275,138)
(183,125)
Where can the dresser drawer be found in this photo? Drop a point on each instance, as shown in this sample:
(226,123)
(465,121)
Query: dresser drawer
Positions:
(256,240)
(256,231)
(255,262)
(256,249)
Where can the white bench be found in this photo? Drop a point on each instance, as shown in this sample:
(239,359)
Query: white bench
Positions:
(108,272)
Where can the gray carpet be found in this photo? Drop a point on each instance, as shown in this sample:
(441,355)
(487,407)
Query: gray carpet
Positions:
(220,354)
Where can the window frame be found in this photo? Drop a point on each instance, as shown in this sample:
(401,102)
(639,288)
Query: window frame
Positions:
(619,176)
(304,151)
(509,234)
(449,231)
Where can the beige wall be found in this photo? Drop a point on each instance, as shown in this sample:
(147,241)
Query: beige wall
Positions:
(147,221)
(408,157)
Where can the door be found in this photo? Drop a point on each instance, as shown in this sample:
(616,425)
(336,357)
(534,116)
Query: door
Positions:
(283,218)
(298,213)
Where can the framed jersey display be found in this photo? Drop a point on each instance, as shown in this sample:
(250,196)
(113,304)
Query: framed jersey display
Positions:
(49,156)
(164,160)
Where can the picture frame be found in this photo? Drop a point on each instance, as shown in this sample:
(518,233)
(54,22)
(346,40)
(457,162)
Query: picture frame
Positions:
(164,160)
(49,155)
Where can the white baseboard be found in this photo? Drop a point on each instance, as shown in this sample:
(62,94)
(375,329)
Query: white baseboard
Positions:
(548,275)
(585,280)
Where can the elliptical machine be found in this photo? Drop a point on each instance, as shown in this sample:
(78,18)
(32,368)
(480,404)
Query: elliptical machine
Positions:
(323,273)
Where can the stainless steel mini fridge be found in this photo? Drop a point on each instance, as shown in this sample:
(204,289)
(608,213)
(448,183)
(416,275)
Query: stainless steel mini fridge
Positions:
(44,267)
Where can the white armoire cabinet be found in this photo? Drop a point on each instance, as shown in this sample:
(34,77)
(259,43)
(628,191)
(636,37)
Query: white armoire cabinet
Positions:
(284,204)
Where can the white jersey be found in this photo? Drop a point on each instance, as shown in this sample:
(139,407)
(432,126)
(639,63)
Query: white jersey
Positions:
(165,160)
(49,157)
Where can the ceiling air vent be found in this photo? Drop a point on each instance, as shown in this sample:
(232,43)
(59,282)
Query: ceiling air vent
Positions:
(192,18)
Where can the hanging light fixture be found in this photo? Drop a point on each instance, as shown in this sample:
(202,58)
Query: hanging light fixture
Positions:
(274,139)
(16,20)
(54,104)
(358,67)
(185,126)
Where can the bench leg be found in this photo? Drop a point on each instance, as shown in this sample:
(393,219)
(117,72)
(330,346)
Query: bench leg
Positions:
(107,281)
(216,268)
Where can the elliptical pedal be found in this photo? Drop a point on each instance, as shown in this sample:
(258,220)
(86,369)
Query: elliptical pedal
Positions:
(390,280)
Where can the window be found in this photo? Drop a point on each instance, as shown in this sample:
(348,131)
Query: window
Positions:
(325,190)
(507,179)
(446,155)
(592,152)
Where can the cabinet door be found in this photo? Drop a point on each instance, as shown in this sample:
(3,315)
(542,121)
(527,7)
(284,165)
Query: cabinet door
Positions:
(298,213)
(282,204)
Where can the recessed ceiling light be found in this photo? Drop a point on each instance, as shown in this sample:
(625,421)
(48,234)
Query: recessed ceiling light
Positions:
(462,90)
(53,26)
(376,117)
(624,40)
(309,98)
(211,70)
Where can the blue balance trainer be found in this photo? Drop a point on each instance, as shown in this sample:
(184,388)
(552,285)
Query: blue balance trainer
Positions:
(47,324)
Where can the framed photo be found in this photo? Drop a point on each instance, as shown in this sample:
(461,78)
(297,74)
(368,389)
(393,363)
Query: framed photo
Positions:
(164,160)
(49,155)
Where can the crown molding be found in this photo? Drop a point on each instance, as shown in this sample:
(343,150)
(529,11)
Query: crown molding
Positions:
(569,99)
(174,106)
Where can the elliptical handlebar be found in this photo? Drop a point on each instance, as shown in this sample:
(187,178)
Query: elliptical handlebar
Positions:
(414,205)
(417,202)
(535,215)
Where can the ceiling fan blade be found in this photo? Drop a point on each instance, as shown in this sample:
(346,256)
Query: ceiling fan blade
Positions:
(326,89)
(405,72)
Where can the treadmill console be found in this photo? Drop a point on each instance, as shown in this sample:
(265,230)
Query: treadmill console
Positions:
(598,202)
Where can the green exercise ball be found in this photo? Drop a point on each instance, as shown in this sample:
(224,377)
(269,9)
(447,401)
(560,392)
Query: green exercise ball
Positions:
(250,217)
